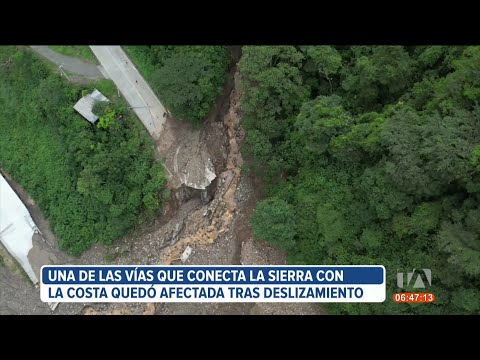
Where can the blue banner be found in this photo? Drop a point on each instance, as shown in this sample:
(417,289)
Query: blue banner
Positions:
(213,275)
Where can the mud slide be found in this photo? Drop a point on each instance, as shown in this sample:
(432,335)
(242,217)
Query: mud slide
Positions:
(207,223)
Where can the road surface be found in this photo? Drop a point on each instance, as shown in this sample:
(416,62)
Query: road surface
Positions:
(133,87)
(70,64)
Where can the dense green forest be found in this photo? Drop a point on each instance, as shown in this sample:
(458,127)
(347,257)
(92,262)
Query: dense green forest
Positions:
(187,79)
(370,155)
(92,182)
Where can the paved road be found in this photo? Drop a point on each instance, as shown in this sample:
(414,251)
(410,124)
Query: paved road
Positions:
(71,64)
(133,87)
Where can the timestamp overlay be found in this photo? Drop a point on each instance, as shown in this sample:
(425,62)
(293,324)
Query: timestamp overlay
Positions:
(414,297)
(414,279)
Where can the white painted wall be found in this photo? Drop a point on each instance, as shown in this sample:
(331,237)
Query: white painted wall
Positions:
(16,227)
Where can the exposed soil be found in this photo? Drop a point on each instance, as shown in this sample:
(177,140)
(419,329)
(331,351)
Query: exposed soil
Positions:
(18,296)
(119,309)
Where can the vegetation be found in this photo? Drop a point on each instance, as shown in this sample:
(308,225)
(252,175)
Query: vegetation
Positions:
(7,260)
(107,113)
(370,155)
(91,182)
(79,51)
(187,79)
(274,222)
(106,87)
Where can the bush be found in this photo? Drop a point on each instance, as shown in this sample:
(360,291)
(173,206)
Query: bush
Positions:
(273,221)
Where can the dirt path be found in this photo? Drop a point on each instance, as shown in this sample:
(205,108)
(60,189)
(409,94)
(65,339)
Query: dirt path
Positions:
(70,64)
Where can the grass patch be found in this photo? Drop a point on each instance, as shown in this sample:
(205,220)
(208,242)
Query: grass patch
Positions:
(106,87)
(142,60)
(79,51)
(10,262)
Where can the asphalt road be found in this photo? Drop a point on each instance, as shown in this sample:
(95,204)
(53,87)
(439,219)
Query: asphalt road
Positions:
(70,64)
(133,87)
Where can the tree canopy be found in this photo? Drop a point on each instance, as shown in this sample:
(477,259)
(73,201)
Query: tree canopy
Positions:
(370,155)
(187,79)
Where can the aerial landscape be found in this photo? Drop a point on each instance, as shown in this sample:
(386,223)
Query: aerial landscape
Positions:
(241,155)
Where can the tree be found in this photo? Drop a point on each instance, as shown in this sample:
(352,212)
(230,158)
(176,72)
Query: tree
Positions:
(273,221)
(360,144)
(326,59)
(187,79)
(272,86)
(445,145)
(99,107)
(378,76)
(258,150)
(462,246)
(467,300)
(182,87)
(398,186)
(460,88)
(320,120)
